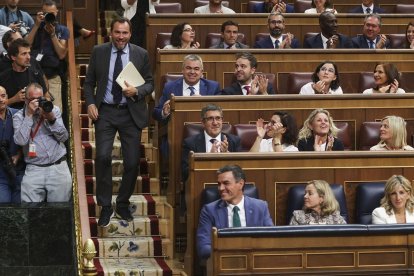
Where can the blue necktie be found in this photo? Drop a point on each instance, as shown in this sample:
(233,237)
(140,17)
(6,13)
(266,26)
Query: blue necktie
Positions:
(368,10)
(116,88)
(236,217)
(277,44)
(192,90)
(371,44)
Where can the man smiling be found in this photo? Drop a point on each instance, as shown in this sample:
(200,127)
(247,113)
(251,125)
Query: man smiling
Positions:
(233,209)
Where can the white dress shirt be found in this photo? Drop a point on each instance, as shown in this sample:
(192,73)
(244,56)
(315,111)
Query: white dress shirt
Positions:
(242,213)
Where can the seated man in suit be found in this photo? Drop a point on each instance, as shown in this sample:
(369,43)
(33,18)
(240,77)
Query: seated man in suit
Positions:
(211,139)
(367,7)
(233,209)
(191,84)
(270,6)
(371,38)
(276,38)
(214,6)
(247,82)
(329,38)
(229,35)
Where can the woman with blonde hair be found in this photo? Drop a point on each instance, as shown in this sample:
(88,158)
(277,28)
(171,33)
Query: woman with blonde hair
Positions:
(397,205)
(393,134)
(319,133)
(319,207)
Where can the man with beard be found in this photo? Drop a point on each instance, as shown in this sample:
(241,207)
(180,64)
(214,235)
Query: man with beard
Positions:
(371,38)
(20,74)
(247,82)
(16,19)
(329,38)
(367,7)
(276,38)
(233,209)
(115,109)
(214,6)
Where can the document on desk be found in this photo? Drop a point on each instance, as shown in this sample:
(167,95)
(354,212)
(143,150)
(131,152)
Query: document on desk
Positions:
(131,75)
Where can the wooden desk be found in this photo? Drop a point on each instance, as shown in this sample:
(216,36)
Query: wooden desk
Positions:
(274,173)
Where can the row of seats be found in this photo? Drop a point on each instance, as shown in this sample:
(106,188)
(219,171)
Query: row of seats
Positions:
(369,134)
(291,83)
(299,5)
(368,197)
(163,39)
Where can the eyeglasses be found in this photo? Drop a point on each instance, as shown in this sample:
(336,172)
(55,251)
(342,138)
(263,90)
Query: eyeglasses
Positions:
(276,22)
(212,118)
(189,30)
(330,70)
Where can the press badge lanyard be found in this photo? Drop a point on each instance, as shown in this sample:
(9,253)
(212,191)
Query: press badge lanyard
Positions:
(32,146)
(42,44)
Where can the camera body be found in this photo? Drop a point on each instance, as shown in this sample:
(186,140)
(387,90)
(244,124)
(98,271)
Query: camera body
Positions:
(6,162)
(45,104)
(23,29)
(50,18)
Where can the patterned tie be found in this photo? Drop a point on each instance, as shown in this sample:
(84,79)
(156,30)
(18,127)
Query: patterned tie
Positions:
(247,87)
(213,141)
(368,10)
(192,90)
(236,217)
(116,88)
(277,44)
(371,44)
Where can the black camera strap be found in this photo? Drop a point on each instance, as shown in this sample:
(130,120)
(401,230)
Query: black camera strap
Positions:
(18,13)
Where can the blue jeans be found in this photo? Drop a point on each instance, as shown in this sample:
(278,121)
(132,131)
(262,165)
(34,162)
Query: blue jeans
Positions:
(10,194)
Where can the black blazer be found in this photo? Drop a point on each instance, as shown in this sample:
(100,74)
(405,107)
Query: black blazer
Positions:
(360,10)
(221,45)
(235,89)
(315,42)
(307,144)
(196,143)
(97,76)
(266,43)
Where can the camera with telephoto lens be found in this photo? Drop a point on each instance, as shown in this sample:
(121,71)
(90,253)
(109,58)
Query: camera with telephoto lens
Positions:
(23,29)
(6,163)
(50,18)
(46,105)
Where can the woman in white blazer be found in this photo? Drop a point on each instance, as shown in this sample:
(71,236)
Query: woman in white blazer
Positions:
(397,205)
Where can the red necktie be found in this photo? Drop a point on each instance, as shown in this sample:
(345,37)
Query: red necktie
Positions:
(247,87)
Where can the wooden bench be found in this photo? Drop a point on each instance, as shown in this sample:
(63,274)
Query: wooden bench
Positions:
(274,173)
(314,249)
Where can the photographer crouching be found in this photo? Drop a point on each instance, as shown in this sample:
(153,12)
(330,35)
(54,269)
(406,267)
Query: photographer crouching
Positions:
(39,129)
(10,154)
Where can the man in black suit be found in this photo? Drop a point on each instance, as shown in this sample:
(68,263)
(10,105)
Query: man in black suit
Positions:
(115,109)
(211,139)
(247,82)
(329,38)
(371,39)
(229,35)
(276,38)
(367,7)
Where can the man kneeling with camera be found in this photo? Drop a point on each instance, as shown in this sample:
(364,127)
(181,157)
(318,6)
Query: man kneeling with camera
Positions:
(39,129)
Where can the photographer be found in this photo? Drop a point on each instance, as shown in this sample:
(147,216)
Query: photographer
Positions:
(21,72)
(9,154)
(16,19)
(39,129)
(49,47)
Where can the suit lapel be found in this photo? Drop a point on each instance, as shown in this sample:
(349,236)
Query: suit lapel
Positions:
(106,59)
(203,88)
(248,211)
(178,88)
(222,214)
(200,142)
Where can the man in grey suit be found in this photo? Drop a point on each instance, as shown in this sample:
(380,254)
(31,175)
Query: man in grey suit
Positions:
(229,35)
(115,109)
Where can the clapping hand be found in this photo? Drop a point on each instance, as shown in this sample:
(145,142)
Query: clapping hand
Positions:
(260,126)
(319,87)
(332,42)
(287,41)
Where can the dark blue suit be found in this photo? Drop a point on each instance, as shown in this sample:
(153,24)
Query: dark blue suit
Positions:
(360,10)
(360,41)
(260,8)
(215,214)
(207,88)
(266,43)
(307,144)
(315,42)
(235,89)
(196,143)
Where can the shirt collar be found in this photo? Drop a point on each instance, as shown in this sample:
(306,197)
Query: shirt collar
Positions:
(240,204)
(125,50)
(208,137)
